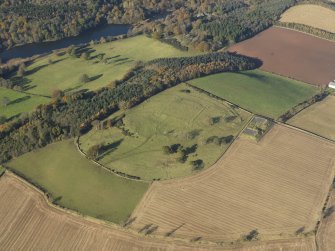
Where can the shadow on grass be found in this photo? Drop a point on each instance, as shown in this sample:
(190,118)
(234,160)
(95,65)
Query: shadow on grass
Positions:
(107,149)
(96,77)
(23,83)
(125,62)
(19,100)
(256,76)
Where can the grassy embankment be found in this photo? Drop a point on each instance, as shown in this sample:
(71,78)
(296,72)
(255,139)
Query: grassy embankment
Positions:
(78,184)
(180,115)
(258,91)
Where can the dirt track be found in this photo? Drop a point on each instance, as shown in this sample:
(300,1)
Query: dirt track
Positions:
(276,186)
(292,54)
(28,222)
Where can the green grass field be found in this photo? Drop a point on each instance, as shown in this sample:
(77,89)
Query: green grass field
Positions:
(180,115)
(318,118)
(78,184)
(260,92)
(65,71)
(19,102)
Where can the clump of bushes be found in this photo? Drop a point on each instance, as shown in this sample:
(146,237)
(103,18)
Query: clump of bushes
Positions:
(84,79)
(220,140)
(181,152)
(197,164)
(253,235)
(94,151)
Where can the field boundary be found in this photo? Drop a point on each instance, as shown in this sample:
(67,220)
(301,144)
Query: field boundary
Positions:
(87,218)
(225,100)
(304,32)
(306,131)
(125,176)
(158,240)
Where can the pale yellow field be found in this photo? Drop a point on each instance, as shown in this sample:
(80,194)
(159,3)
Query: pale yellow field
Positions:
(28,222)
(318,118)
(276,186)
(312,15)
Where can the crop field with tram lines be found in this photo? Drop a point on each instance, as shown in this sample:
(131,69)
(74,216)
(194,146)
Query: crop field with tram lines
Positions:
(253,186)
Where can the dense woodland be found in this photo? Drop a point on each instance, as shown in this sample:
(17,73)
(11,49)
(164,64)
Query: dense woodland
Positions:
(74,114)
(212,24)
(26,21)
(202,24)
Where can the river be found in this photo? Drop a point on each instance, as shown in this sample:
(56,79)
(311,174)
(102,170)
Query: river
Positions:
(30,50)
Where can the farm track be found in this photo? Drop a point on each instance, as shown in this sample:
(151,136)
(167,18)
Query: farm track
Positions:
(276,186)
(29,222)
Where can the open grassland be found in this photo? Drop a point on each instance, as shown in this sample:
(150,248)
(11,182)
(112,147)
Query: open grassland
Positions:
(18,102)
(76,183)
(326,233)
(312,15)
(119,57)
(257,91)
(318,118)
(28,222)
(277,186)
(292,54)
(180,115)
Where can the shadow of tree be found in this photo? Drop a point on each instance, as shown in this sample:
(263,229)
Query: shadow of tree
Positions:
(107,149)
(22,82)
(96,77)
(19,100)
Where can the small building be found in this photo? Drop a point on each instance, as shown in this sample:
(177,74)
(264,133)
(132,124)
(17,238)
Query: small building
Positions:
(331,85)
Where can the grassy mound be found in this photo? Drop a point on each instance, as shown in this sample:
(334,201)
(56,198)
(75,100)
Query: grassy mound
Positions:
(260,92)
(172,134)
(78,184)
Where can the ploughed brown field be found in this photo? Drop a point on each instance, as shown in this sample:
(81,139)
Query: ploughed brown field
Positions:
(326,233)
(277,186)
(292,54)
(28,222)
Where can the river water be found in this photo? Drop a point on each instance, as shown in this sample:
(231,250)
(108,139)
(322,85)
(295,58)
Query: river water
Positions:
(29,50)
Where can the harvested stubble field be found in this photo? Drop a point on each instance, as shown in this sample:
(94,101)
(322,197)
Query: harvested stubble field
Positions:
(276,186)
(312,15)
(292,54)
(326,233)
(28,222)
(318,118)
